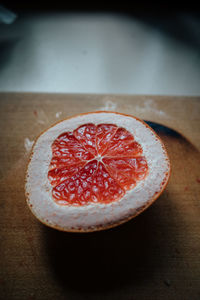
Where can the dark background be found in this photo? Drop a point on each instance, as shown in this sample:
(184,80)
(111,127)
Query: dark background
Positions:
(135,7)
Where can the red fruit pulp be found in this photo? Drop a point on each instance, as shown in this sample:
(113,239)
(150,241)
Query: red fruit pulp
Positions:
(95,163)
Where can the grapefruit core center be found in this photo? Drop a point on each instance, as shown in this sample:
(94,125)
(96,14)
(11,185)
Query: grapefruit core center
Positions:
(95,164)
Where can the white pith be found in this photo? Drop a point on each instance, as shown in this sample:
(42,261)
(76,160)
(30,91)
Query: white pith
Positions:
(99,158)
(67,217)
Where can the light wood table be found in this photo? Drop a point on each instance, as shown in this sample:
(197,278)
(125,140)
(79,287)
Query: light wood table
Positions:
(154,256)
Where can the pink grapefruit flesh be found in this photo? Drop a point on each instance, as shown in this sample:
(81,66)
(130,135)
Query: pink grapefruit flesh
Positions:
(95,164)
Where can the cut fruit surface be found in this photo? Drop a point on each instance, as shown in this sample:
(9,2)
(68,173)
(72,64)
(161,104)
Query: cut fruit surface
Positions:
(91,184)
(116,164)
(95,171)
(127,171)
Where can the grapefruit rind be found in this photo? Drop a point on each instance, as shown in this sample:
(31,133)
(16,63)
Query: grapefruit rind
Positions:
(95,216)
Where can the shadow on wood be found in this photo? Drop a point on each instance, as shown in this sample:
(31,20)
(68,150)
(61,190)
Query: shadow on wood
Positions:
(152,250)
(99,261)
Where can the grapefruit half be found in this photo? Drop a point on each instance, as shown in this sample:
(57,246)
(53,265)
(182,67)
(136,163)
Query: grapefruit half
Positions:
(94,171)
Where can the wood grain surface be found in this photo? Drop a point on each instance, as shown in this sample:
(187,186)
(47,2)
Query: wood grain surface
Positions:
(155,256)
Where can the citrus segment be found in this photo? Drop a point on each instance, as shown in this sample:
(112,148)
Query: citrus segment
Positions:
(104,134)
(67,150)
(123,144)
(86,135)
(95,138)
(126,171)
(108,189)
(78,188)
(57,175)
(91,184)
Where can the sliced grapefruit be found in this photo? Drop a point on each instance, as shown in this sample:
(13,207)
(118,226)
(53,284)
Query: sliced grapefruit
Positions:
(95,171)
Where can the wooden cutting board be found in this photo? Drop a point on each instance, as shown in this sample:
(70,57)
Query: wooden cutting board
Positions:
(154,256)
